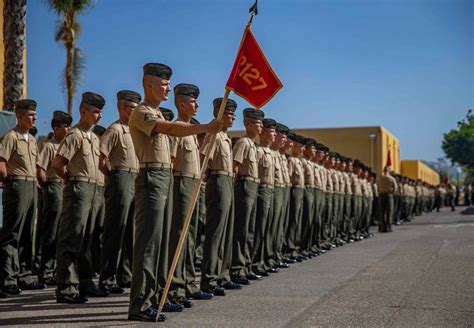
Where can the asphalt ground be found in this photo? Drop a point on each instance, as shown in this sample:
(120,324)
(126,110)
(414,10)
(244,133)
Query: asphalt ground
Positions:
(421,275)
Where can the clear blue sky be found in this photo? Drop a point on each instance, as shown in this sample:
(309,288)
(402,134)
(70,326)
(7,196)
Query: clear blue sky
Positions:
(404,64)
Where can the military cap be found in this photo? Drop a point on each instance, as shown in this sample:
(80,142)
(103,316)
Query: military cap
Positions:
(281,128)
(186,89)
(62,117)
(93,99)
(50,135)
(28,104)
(349,160)
(300,139)
(194,121)
(253,113)
(99,130)
(291,135)
(269,123)
(332,154)
(156,69)
(167,113)
(129,96)
(231,105)
(33,131)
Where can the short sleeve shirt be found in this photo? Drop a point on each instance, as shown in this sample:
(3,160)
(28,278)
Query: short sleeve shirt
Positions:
(20,153)
(117,145)
(266,165)
(308,172)
(81,149)
(46,157)
(296,171)
(245,153)
(185,154)
(221,158)
(279,179)
(149,147)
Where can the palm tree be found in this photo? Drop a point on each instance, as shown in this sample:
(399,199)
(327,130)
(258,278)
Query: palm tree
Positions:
(67,32)
(14,13)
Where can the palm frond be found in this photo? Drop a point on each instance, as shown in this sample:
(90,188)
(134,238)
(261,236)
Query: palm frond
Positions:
(78,66)
(59,32)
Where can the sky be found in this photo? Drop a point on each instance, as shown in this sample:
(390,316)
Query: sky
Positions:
(407,65)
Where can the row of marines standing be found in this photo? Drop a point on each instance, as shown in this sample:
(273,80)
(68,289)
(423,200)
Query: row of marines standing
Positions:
(285,199)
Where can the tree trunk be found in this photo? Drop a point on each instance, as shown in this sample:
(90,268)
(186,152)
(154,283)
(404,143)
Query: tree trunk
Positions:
(14,36)
(69,79)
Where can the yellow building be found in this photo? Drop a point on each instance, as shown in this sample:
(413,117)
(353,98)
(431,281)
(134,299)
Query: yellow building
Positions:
(2,56)
(415,169)
(367,144)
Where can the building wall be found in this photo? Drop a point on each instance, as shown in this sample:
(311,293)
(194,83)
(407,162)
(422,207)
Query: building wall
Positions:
(367,144)
(415,169)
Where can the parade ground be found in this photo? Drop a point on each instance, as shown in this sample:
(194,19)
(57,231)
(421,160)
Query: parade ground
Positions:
(420,275)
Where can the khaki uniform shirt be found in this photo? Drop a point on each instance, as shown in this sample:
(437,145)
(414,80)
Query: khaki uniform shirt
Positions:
(149,147)
(342,182)
(375,189)
(46,156)
(355,183)
(221,158)
(296,172)
(348,183)
(284,166)
(266,166)
(279,179)
(308,169)
(185,154)
(117,145)
(20,153)
(81,149)
(245,153)
(318,183)
(335,181)
(330,181)
(324,178)
(386,184)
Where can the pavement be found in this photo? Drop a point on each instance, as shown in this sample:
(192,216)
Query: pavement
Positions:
(421,275)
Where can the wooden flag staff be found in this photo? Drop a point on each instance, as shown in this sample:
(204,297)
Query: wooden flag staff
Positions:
(190,210)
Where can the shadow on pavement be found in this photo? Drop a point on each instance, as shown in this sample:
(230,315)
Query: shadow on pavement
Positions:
(468,211)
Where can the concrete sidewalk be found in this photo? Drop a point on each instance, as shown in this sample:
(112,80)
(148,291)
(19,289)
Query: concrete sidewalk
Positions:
(422,274)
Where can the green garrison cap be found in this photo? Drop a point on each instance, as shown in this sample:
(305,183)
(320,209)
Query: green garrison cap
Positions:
(300,139)
(167,113)
(28,104)
(194,121)
(62,117)
(93,99)
(253,113)
(156,69)
(129,96)
(231,105)
(291,135)
(269,123)
(186,89)
(99,130)
(282,128)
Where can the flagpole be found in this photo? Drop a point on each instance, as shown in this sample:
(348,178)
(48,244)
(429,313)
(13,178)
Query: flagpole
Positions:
(190,209)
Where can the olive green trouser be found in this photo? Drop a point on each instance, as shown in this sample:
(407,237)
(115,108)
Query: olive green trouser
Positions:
(153,200)
(217,248)
(19,209)
(347,222)
(74,264)
(96,247)
(272,240)
(386,212)
(262,226)
(340,221)
(53,198)
(307,220)
(318,207)
(184,279)
(38,232)
(244,227)
(328,218)
(364,216)
(357,210)
(201,225)
(369,215)
(285,212)
(118,225)
(335,217)
(296,213)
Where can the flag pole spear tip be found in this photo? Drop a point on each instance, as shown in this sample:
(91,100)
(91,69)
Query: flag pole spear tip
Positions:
(253,11)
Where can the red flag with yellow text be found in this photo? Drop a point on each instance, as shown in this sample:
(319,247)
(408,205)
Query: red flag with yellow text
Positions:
(252,77)
(389,159)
